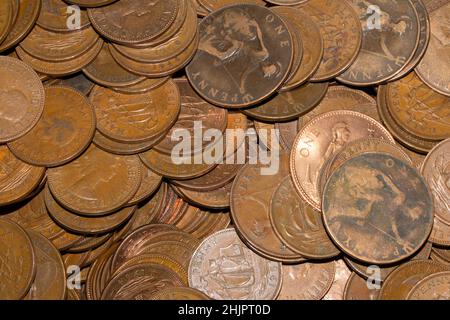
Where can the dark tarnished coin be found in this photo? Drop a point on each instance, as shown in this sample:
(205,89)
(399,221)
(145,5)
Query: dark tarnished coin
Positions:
(244,55)
(433,287)
(225,269)
(133,21)
(434,68)
(289,105)
(341,32)
(17,267)
(377,196)
(62,133)
(77,81)
(388,44)
(96,183)
(357,289)
(50,280)
(298,225)
(436,171)
(22,96)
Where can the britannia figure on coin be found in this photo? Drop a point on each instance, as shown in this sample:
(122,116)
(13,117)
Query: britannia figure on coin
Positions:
(236,43)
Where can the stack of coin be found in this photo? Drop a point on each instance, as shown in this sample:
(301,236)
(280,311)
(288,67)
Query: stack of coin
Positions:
(349,99)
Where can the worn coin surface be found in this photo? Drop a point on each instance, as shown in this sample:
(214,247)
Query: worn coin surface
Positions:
(244,55)
(18,266)
(341,32)
(337,290)
(62,133)
(224,268)
(377,196)
(22,95)
(320,140)
(6,18)
(357,288)
(433,287)
(96,183)
(180,293)
(55,16)
(298,225)
(387,47)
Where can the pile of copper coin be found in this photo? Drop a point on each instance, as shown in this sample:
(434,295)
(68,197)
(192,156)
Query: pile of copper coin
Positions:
(93,206)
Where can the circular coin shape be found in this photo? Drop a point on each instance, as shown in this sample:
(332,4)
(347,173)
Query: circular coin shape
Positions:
(133,21)
(298,225)
(91,3)
(96,183)
(341,32)
(341,276)
(433,287)
(357,289)
(180,293)
(54,17)
(17,261)
(225,269)
(50,280)
(245,54)
(320,139)
(17,179)
(6,18)
(377,208)
(22,96)
(436,171)
(386,48)
(62,133)
(136,117)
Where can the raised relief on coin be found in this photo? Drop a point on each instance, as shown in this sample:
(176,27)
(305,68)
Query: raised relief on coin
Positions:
(225,269)
(434,287)
(436,170)
(22,96)
(377,208)
(390,38)
(244,55)
(96,183)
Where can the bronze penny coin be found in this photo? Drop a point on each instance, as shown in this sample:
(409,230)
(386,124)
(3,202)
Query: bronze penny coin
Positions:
(386,48)
(169,49)
(297,48)
(86,225)
(180,293)
(250,208)
(364,270)
(433,287)
(57,47)
(424,39)
(54,16)
(6,18)
(50,280)
(18,261)
(96,183)
(140,282)
(177,251)
(87,243)
(341,32)
(401,281)
(183,168)
(127,21)
(210,272)
(442,254)
(215,221)
(28,13)
(434,68)
(312,48)
(436,171)
(320,139)
(122,148)
(91,3)
(254,63)
(213,199)
(195,114)
(267,135)
(306,281)
(337,289)
(77,81)
(287,2)
(23,97)
(17,179)
(288,132)
(136,117)
(150,182)
(343,98)
(379,196)
(61,68)
(62,133)
(289,105)
(105,71)
(298,225)
(404,137)
(142,87)
(213,5)
(419,110)
(357,289)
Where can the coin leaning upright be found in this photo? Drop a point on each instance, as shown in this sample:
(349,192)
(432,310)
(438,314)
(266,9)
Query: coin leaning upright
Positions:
(254,63)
